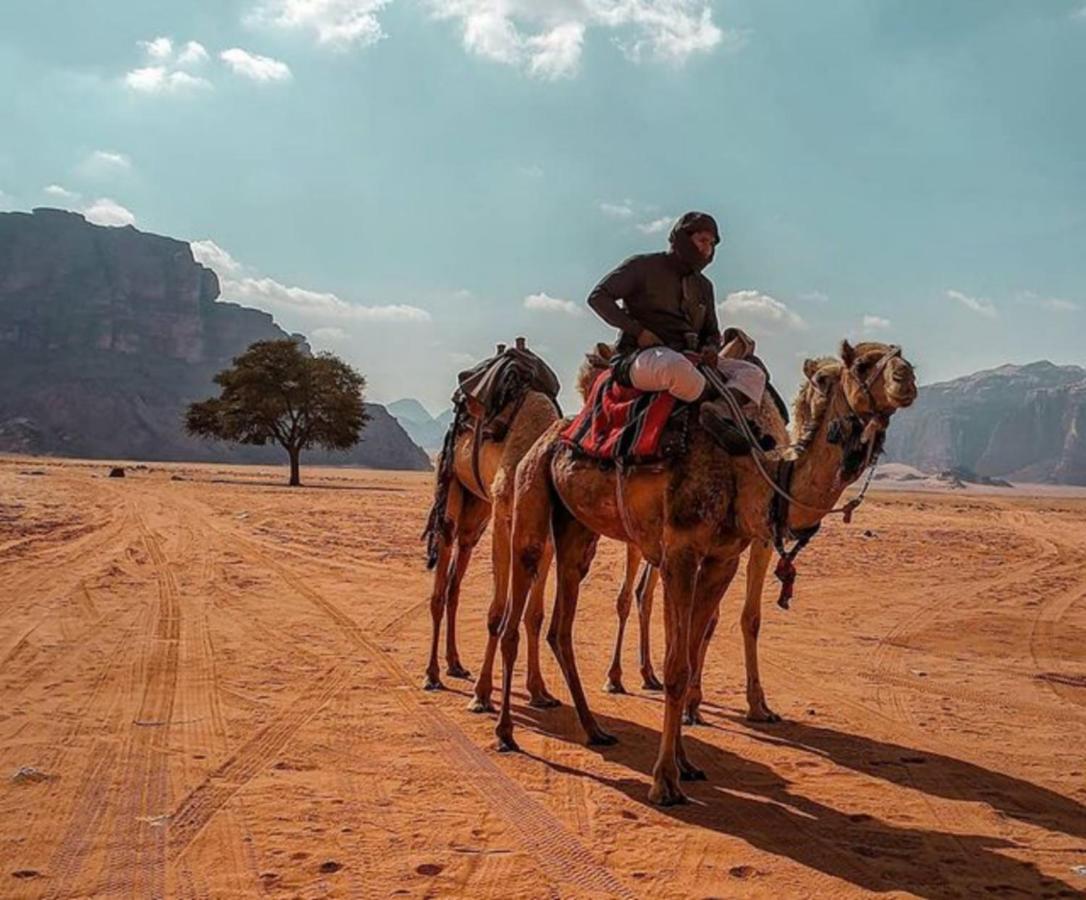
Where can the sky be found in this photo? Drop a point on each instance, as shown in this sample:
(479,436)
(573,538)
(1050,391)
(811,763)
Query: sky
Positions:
(410,182)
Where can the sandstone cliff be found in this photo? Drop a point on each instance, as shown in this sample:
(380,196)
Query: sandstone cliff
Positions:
(1022,423)
(106,334)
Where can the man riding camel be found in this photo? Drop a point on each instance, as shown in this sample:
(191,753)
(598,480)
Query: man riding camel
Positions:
(668,325)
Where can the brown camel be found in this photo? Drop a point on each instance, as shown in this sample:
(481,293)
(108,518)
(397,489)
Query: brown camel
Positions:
(481,490)
(642,587)
(693,520)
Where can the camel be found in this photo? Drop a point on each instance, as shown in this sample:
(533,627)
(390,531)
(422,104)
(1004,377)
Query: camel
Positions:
(693,520)
(482,490)
(643,587)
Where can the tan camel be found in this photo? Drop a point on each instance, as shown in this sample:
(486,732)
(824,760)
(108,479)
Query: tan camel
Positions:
(481,491)
(694,521)
(640,583)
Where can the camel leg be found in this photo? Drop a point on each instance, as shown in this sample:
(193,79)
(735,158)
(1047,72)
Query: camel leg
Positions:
(692,716)
(646,588)
(712,582)
(528,549)
(441,583)
(539,696)
(679,572)
(575,547)
(623,602)
(751,622)
(501,563)
(474,515)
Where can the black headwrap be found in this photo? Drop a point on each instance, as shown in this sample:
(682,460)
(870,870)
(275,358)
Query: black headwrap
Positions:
(683,247)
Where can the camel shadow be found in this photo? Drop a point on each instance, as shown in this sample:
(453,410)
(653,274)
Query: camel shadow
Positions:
(935,774)
(750,801)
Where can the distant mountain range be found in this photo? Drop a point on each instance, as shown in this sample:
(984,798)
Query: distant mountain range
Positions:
(106,334)
(1021,423)
(424,429)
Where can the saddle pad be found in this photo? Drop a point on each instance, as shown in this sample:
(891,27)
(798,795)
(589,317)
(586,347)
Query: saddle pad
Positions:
(623,423)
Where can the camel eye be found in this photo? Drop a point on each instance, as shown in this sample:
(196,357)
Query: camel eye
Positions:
(863,366)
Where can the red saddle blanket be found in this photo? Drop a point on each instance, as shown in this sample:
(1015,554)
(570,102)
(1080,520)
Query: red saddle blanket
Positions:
(621,423)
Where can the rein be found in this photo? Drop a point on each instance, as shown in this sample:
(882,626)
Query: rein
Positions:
(782,489)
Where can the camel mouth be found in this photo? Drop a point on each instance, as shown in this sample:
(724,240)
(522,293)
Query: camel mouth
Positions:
(902,398)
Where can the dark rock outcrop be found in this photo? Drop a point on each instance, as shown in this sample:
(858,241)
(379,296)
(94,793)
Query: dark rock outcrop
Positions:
(107,334)
(1021,423)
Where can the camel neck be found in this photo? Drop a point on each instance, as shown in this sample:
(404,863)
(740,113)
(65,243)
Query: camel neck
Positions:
(817,480)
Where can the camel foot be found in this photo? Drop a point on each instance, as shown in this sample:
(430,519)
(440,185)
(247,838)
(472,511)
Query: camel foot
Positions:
(433,683)
(599,738)
(507,745)
(544,701)
(455,670)
(693,717)
(666,792)
(480,705)
(764,715)
(614,686)
(651,682)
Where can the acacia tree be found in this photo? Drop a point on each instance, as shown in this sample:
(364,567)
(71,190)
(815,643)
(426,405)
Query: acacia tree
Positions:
(275,391)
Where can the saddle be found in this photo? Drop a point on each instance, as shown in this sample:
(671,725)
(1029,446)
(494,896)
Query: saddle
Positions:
(621,424)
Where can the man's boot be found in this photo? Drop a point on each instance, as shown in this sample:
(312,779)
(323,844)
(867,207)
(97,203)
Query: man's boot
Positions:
(716,417)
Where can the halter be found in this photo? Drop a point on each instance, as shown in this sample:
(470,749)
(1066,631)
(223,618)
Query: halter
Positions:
(872,425)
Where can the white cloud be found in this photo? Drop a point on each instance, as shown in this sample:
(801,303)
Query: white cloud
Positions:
(531,171)
(336,23)
(163,73)
(543,302)
(105,211)
(759,308)
(1053,304)
(617,210)
(193,54)
(546,39)
(815,297)
(875,323)
(60,193)
(213,256)
(254,66)
(240,285)
(107,161)
(329,335)
(159,49)
(1079,15)
(160,80)
(656,226)
(976,304)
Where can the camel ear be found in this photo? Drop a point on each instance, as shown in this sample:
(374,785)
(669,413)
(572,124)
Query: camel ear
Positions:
(810,366)
(603,350)
(848,354)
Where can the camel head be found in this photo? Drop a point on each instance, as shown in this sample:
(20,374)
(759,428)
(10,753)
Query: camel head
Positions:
(876,379)
(863,388)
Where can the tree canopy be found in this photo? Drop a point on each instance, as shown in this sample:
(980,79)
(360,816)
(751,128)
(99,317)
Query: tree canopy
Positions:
(277,392)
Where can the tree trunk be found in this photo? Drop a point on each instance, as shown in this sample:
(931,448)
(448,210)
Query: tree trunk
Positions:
(295,476)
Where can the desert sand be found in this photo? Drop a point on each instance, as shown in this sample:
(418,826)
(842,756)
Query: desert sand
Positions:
(210,687)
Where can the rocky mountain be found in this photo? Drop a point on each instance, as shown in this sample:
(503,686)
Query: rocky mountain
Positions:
(106,334)
(1021,423)
(425,430)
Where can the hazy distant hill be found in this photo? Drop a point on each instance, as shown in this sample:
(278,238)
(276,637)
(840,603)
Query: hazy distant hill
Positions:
(1022,423)
(106,334)
(425,430)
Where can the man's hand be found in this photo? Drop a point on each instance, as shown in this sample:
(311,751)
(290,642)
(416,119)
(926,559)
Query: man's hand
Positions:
(647,339)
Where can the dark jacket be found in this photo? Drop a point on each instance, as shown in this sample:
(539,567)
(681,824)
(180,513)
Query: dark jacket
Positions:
(651,287)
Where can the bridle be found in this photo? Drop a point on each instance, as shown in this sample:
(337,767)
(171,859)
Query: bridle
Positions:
(856,428)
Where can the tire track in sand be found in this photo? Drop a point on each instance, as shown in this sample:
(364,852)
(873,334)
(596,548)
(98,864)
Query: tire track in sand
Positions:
(558,851)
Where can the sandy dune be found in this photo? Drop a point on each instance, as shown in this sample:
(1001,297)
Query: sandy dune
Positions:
(210,684)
